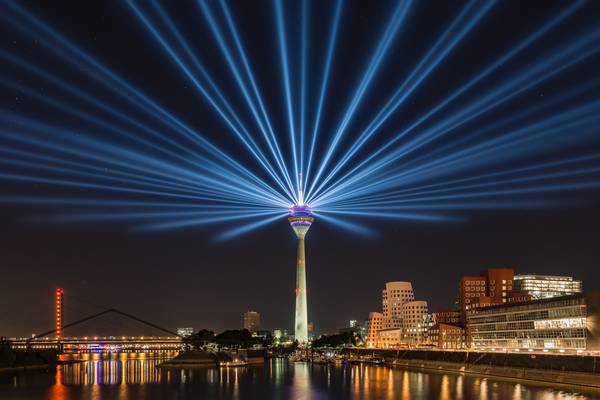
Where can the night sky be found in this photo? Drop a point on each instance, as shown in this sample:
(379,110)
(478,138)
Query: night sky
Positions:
(184,277)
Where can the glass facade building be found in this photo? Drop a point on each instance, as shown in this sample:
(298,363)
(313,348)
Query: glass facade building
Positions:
(547,286)
(558,323)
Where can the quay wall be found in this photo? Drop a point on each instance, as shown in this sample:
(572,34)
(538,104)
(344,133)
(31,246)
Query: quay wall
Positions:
(578,370)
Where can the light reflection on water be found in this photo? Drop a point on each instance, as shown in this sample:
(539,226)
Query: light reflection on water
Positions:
(136,376)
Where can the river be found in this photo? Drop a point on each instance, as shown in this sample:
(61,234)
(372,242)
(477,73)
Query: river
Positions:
(136,376)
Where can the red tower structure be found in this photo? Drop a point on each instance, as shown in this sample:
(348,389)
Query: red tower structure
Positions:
(58,312)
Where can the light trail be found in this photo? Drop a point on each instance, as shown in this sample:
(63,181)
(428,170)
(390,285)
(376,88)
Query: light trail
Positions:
(377,58)
(323,88)
(457,30)
(240,131)
(273,143)
(121,156)
(568,57)
(505,147)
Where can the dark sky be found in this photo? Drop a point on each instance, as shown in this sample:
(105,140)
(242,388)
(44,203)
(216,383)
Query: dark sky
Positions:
(184,278)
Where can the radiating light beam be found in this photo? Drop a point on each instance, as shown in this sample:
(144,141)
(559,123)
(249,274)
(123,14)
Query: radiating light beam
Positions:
(397,18)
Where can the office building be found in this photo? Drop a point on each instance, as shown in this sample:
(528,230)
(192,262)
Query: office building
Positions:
(444,316)
(390,339)
(403,321)
(414,322)
(393,296)
(447,337)
(374,325)
(546,286)
(567,323)
(493,286)
(251,321)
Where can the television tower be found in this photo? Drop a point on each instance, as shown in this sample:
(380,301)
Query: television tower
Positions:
(300,218)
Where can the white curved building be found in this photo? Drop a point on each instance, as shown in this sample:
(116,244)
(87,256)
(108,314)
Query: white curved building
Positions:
(393,296)
(414,320)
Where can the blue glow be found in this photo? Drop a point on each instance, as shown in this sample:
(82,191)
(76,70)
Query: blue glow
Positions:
(144,166)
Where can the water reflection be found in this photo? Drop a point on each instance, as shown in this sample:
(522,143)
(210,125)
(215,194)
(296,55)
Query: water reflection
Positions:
(136,376)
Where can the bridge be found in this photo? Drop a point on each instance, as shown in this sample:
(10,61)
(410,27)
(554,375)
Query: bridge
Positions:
(104,344)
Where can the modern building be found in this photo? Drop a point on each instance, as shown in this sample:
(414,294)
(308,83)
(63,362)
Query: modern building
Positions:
(445,316)
(567,323)
(185,332)
(59,312)
(393,296)
(390,339)
(404,320)
(447,337)
(493,286)
(252,321)
(546,286)
(374,325)
(414,322)
(301,218)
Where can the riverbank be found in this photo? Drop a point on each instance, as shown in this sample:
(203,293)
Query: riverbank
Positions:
(571,370)
(24,360)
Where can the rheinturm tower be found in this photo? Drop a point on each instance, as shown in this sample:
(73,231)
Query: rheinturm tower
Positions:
(301,218)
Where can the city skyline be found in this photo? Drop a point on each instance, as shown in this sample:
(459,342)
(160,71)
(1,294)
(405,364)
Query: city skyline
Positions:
(533,205)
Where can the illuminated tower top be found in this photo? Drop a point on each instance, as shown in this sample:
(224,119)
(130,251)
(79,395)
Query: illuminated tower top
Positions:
(301,218)
(59,307)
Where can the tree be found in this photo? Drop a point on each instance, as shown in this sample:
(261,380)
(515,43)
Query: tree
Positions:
(236,338)
(199,339)
(339,340)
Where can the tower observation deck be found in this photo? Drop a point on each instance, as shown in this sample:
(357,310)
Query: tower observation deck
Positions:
(301,218)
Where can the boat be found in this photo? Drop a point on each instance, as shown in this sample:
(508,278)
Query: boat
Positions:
(233,363)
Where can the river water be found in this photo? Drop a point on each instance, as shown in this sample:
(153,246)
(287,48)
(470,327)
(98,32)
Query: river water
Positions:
(136,376)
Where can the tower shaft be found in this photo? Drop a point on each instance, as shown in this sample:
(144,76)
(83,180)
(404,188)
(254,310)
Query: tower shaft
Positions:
(301,323)
(301,219)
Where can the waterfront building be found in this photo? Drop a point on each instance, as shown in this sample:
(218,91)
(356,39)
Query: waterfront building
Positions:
(447,337)
(446,316)
(414,322)
(390,339)
(567,323)
(374,325)
(493,286)
(185,332)
(393,296)
(400,313)
(546,286)
(252,321)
